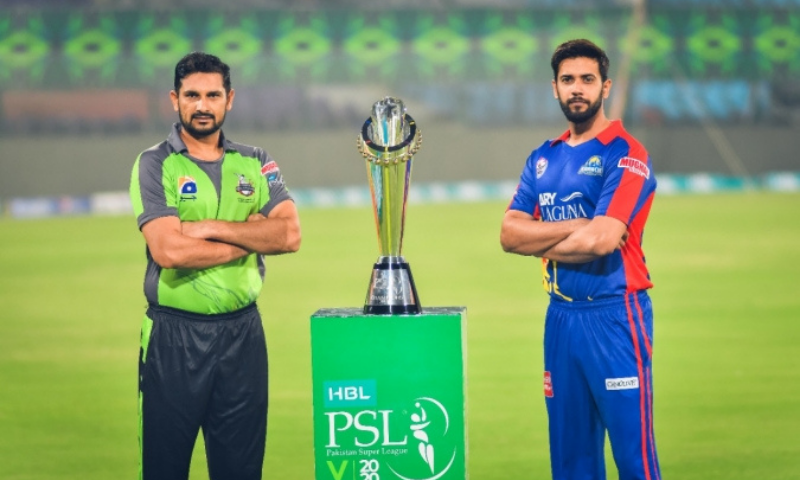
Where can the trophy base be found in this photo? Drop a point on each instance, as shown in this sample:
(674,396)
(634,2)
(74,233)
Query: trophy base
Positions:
(391,289)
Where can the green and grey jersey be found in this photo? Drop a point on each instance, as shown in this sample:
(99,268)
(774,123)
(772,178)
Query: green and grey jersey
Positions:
(166,181)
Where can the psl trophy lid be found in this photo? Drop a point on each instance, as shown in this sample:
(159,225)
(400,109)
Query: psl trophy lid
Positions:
(389,135)
(388,126)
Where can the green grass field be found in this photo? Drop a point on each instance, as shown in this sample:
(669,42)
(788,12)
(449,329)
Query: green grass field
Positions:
(727,337)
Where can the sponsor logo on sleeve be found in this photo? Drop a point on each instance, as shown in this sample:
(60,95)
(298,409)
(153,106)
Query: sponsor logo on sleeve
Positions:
(627,383)
(272,172)
(635,166)
(269,167)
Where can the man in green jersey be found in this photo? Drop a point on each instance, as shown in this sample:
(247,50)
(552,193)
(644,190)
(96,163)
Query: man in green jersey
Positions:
(209,209)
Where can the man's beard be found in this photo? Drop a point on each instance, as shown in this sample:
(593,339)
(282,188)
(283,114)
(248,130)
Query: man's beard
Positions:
(581,117)
(202,132)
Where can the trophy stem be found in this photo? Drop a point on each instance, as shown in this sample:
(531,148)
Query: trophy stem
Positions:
(391,289)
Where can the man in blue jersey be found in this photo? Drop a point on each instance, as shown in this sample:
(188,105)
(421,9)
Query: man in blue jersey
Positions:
(581,206)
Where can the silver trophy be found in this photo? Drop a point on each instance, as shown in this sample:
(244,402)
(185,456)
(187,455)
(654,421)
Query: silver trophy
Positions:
(388,141)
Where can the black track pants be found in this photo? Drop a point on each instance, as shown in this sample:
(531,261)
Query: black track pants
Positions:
(202,371)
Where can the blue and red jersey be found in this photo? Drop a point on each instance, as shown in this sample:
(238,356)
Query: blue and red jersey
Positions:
(609,175)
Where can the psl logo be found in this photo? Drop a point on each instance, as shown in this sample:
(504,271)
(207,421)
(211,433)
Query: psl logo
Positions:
(376,432)
(426,442)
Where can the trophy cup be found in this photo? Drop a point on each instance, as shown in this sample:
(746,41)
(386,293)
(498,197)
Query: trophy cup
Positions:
(388,141)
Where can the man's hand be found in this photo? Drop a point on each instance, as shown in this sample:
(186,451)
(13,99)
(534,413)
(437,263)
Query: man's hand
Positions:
(520,233)
(278,233)
(600,237)
(203,229)
(623,240)
(172,247)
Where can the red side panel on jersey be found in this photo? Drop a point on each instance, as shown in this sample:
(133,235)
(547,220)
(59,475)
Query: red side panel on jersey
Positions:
(636,275)
(622,206)
(630,186)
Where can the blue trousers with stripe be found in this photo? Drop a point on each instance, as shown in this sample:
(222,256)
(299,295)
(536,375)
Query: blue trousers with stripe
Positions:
(598,380)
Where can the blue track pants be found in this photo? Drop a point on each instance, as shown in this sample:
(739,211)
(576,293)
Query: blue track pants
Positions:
(598,380)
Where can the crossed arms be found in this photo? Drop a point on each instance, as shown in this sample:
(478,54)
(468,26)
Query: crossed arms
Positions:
(579,240)
(208,243)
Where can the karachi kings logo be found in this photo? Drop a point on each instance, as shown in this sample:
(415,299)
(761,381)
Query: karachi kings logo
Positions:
(593,167)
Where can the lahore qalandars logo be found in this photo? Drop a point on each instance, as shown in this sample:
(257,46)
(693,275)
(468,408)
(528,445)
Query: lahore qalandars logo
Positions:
(245,187)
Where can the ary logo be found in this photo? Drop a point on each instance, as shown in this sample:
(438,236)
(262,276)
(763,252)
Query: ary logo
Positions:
(547,198)
(593,167)
(245,187)
(557,213)
(571,197)
(430,424)
(541,166)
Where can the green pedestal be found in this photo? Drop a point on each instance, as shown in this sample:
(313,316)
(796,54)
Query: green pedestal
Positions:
(389,395)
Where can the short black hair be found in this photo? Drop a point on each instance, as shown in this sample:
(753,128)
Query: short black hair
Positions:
(580,48)
(200,62)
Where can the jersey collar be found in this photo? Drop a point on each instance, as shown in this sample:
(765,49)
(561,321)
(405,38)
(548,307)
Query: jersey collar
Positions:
(612,131)
(175,141)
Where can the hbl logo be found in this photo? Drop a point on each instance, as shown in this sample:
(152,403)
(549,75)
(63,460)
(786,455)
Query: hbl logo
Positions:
(350,393)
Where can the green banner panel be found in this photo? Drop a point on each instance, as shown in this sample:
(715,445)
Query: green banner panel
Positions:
(389,395)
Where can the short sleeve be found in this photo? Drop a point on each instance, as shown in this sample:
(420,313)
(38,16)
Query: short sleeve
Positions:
(149,195)
(277,191)
(525,197)
(628,182)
